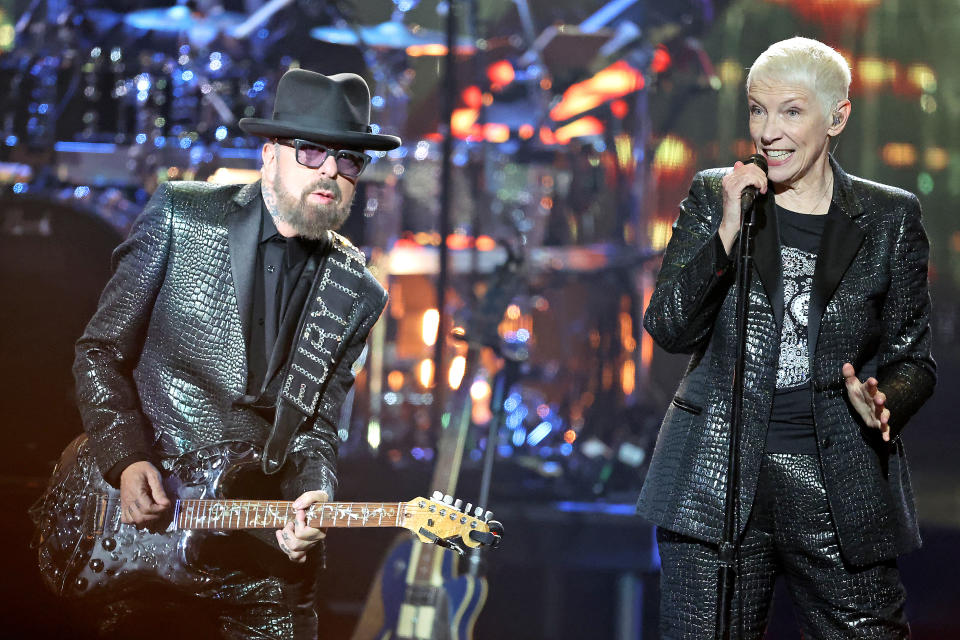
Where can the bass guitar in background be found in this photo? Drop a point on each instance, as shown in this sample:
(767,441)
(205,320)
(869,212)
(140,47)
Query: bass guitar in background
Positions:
(420,593)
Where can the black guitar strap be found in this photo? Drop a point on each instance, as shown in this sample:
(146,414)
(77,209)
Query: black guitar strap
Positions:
(319,344)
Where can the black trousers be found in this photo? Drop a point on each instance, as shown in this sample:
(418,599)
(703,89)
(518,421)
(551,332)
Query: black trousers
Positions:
(790,533)
(264,597)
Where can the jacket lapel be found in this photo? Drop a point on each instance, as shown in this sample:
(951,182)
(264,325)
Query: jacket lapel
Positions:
(766,253)
(839,244)
(243,230)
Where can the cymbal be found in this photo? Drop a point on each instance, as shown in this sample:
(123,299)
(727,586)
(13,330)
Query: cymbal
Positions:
(180,18)
(387,35)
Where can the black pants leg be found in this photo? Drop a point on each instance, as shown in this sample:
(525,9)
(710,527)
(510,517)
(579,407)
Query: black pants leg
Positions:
(832,598)
(688,586)
(272,599)
(790,532)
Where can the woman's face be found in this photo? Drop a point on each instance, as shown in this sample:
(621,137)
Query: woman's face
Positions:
(789,128)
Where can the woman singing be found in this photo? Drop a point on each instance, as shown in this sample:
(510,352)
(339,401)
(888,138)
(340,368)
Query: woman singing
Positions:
(837,361)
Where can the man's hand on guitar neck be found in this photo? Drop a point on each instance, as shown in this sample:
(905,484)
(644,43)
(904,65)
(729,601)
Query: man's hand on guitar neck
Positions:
(142,498)
(296,538)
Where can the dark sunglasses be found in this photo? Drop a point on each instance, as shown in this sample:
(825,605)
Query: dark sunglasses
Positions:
(350,164)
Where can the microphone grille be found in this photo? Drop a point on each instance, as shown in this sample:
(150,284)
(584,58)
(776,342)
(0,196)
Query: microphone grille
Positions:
(758,160)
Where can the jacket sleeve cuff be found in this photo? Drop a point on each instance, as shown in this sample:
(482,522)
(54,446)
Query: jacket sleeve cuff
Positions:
(722,262)
(113,475)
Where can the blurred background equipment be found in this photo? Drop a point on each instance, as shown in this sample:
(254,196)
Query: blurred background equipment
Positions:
(576,128)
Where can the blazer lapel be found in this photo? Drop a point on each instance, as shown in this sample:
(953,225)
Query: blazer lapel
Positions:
(839,244)
(766,253)
(243,231)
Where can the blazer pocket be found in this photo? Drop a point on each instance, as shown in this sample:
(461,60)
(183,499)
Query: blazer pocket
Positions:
(686,405)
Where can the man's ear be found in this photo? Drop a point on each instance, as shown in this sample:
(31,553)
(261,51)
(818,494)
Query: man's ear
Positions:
(268,153)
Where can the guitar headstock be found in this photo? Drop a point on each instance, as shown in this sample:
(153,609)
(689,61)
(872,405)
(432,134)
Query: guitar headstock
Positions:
(442,520)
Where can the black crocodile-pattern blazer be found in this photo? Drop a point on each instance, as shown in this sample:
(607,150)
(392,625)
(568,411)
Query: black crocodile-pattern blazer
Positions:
(869,306)
(162,365)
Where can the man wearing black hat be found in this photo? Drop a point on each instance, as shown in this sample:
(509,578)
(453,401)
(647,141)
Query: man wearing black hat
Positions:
(236,314)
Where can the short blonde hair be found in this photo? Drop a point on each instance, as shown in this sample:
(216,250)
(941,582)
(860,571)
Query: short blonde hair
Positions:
(807,62)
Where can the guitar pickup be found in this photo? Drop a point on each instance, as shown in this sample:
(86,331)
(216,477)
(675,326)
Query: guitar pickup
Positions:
(95,514)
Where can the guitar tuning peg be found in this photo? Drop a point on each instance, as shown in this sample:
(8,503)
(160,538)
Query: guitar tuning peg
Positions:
(457,504)
(448,499)
(467,510)
(478,512)
(487,516)
(438,496)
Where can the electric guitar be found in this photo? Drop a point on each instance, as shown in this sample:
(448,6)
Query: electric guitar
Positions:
(84,550)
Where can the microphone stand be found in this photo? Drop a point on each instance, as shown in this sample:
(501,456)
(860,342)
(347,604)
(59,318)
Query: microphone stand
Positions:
(729,551)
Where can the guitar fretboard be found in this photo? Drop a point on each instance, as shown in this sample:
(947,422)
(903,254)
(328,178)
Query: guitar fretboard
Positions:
(267,514)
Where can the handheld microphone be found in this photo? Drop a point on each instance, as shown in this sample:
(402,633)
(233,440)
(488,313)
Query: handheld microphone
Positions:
(749,194)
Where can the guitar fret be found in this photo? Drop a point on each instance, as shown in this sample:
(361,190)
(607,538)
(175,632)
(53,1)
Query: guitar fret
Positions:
(257,514)
(277,518)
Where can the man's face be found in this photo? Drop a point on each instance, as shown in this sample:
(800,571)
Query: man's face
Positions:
(310,201)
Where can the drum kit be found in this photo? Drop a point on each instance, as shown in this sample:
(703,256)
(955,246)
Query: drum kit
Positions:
(125,99)
(118,97)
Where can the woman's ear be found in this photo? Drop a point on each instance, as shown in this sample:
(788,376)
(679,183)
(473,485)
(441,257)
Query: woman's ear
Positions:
(839,118)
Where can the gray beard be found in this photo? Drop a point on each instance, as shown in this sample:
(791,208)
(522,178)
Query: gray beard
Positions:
(310,221)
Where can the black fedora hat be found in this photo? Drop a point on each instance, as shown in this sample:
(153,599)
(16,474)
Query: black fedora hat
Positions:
(326,109)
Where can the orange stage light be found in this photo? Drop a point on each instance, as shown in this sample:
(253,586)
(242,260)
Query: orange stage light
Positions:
(617,80)
(619,109)
(899,154)
(417,50)
(661,59)
(463,121)
(472,97)
(495,132)
(458,367)
(500,74)
(459,241)
(672,155)
(547,136)
(936,158)
(486,243)
(588,126)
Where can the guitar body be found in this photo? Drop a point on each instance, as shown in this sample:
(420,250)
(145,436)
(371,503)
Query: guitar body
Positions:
(85,551)
(445,610)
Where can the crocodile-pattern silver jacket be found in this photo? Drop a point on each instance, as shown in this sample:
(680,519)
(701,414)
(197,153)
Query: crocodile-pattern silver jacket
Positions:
(162,365)
(869,306)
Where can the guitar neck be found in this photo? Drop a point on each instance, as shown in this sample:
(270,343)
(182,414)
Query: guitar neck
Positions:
(274,514)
